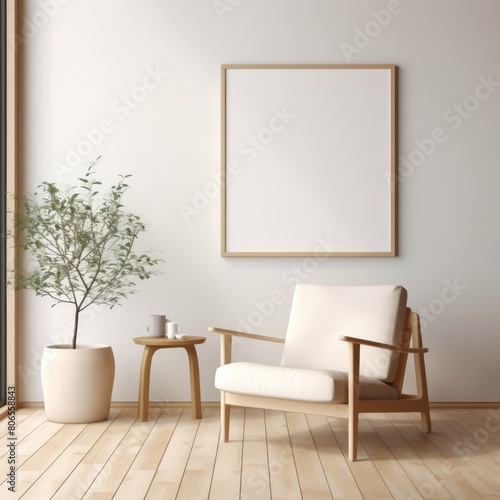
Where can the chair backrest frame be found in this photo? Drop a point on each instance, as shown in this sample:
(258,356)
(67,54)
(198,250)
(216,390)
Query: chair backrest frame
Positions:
(407,336)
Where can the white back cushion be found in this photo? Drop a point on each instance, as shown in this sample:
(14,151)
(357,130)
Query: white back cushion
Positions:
(320,314)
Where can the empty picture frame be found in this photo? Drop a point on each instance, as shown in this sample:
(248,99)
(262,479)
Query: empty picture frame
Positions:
(308,160)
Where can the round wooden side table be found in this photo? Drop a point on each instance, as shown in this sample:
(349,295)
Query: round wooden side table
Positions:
(151,345)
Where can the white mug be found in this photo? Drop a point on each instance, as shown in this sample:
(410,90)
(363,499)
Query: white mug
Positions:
(173,329)
(156,327)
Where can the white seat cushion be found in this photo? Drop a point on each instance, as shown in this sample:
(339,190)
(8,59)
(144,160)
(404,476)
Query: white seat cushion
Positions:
(321,314)
(299,384)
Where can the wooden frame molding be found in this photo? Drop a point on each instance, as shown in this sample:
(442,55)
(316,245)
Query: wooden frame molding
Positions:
(249,92)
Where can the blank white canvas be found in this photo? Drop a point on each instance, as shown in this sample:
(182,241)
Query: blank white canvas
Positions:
(312,152)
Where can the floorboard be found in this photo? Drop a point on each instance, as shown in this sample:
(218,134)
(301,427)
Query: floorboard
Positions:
(270,455)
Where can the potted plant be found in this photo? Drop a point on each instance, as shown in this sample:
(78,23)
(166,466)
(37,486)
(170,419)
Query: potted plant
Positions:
(80,242)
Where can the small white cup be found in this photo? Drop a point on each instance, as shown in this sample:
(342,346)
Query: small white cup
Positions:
(156,327)
(173,329)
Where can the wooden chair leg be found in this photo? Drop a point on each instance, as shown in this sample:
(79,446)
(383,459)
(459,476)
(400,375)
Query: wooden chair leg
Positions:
(426,420)
(420,375)
(224,417)
(353,436)
(353,400)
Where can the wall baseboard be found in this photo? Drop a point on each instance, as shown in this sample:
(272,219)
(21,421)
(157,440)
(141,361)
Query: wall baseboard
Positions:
(166,404)
(133,404)
(216,404)
(465,404)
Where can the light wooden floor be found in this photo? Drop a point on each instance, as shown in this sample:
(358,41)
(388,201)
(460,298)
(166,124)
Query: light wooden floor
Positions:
(271,455)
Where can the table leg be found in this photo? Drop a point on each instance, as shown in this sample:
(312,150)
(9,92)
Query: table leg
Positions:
(147,356)
(194,373)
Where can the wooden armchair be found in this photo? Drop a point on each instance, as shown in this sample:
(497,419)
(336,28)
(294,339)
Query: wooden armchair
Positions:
(323,369)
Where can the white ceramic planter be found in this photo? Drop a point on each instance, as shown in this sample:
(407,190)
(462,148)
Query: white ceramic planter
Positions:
(77,383)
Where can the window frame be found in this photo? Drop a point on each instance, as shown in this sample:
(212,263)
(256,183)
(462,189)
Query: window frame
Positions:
(3,220)
(9,132)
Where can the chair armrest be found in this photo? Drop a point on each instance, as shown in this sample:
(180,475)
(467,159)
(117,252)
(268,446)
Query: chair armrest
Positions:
(409,350)
(234,333)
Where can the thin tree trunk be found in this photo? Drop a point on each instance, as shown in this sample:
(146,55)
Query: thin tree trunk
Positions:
(75,329)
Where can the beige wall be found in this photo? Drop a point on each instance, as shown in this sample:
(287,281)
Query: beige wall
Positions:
(139,83)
